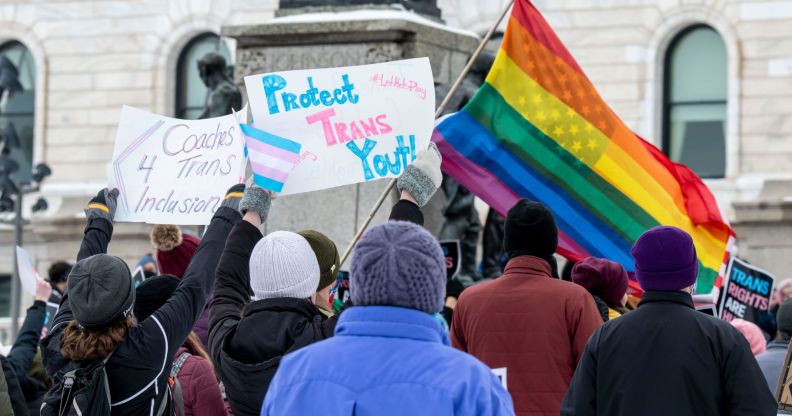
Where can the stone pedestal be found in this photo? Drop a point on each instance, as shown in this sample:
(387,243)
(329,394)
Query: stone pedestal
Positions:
(764,227)
(325,40)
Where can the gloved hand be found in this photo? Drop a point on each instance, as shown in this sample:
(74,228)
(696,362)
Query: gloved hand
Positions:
(258,200)
(234,196)
(422,178)
(103,205)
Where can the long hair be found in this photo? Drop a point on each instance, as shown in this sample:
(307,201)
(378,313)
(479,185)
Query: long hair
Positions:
(80,344)
(196,347)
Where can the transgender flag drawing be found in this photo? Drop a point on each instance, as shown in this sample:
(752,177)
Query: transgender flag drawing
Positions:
(271,157)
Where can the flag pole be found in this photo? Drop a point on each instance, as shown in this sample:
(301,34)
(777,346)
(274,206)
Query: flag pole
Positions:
(439,111)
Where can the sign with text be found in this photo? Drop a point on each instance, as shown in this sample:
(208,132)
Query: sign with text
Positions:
(746,292)
(453,258)
(27,271)
(171,171)
(352,124)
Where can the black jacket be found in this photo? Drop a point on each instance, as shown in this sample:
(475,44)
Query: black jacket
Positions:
(248,339)
(138,369)
(24,351)
(18,402)
(665,358)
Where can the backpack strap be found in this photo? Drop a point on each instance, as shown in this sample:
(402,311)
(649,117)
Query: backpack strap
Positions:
(173,380)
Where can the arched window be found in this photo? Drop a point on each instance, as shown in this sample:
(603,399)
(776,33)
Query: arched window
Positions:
(17,104)
(695,91)
(190,90)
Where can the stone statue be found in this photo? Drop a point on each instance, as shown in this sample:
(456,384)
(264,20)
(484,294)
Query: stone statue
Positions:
(223,95)
(461,217)
(427,7)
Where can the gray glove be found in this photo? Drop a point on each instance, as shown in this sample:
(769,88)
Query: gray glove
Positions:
(258,200)
(422,178)
(103,205)
(233,196)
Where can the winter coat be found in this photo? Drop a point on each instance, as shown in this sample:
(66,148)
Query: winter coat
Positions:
(17,398)
(383,361)
(5,399)
(665,358)
(248,339)
(24,351)
(139,368)
(606,312)
(201,327)
(771,362)
(531,324)
(200,388)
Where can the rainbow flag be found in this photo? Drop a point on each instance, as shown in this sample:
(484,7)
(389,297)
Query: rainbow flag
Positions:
(272,157)
(538,129)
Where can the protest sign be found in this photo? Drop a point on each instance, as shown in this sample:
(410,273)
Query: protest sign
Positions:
(746,292)
(27,271)
(138,276)
(171,171)
(353,124)
(452,253)
(49,316)
(500,373)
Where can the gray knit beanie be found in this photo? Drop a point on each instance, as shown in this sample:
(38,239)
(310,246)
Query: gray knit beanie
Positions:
(398,264)
(283,265)
(100,291)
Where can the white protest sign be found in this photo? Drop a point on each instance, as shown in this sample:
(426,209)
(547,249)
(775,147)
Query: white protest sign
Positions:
(171,171)
(27,271)
(353,124)
(500,373)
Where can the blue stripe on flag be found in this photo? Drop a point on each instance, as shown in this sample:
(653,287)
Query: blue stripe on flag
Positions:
(267,183)
(270,139)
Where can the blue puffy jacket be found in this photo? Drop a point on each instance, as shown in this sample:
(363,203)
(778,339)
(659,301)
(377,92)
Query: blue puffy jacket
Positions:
(385,361)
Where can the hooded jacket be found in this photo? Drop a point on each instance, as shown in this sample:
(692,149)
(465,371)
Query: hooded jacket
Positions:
(533,325)
(394,361)
(248,339)
(139,368)
(666,358)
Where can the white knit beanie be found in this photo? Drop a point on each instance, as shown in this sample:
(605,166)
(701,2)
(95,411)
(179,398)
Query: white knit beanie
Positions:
(283,265)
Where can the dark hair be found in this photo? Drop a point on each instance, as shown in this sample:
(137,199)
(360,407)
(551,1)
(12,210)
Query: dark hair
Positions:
(59,272)
(80,344)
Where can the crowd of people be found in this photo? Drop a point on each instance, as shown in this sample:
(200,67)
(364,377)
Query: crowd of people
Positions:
(236,322)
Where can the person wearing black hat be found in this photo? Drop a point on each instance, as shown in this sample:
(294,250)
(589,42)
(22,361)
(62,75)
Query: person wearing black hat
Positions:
(95,320)
(526,321)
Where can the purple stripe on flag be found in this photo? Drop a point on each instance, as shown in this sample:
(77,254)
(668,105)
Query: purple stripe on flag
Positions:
(261,147)
(269,172)
(485,184)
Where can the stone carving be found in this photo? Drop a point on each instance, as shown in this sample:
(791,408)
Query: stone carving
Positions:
(428,7)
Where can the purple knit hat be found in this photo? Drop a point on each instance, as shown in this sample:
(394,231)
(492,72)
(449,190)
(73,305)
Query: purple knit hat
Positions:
(601,277)
(398,264)
(665,259)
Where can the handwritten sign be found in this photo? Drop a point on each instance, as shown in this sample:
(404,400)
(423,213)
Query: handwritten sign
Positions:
(27,271)
(171,171)
(452,253)
(746,292)
(353,124)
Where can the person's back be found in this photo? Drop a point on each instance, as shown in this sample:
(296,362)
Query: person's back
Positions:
(526,321)
(385,361)
(772,360)
(666,358)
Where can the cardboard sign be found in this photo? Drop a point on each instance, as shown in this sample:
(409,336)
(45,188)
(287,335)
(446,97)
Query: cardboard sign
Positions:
(27,271)
(353,124)
(453,257)
(746,292)
(783,391)
(171,171)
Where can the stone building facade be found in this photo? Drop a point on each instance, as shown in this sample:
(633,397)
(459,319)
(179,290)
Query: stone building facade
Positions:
(91,57)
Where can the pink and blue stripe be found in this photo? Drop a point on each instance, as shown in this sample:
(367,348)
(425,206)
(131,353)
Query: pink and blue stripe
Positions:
(272,157)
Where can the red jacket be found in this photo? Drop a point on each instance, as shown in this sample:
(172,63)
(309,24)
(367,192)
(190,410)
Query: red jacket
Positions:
(531,324)
(200,388)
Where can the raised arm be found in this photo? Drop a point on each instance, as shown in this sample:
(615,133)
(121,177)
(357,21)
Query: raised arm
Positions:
(177,317)
(98,231)
(232,285)
(24,349)
(417,185)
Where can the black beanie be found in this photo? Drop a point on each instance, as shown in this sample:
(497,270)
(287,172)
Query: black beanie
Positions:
(784,317)
(530,231)
(152,294)
(100,291)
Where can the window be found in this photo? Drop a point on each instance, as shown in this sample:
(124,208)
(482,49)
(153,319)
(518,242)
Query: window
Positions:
(190,90)
(694,111)
(18,113)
